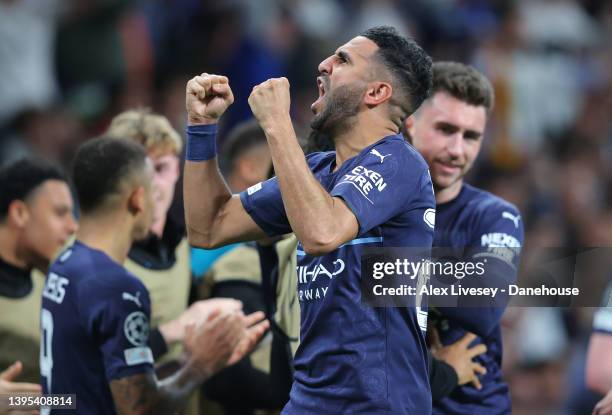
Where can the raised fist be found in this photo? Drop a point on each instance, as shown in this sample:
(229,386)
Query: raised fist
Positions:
(270,101)
(207,98)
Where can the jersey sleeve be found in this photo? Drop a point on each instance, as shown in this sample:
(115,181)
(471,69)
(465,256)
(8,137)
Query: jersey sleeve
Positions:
(602,321)
(264,202)
(117,318)
(388,181)
(497,240)
(499,236)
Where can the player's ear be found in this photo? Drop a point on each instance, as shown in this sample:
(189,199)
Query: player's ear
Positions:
(409,127)
(377,93)
(18,213)
(136,201)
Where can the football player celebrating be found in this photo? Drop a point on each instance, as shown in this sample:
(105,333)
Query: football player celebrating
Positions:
(95,314)
(448,131)
(372,191)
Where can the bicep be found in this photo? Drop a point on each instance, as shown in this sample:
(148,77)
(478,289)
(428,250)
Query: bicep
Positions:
(136,394)
(233,224)
(348,226)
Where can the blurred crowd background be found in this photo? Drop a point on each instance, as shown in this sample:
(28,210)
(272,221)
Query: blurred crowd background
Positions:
(68,66)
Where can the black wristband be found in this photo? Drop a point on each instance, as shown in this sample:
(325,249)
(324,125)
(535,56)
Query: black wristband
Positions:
(157,343)
(443,379)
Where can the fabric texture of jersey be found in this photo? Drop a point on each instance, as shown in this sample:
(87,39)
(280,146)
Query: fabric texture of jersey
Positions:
(353,358)
(478,219)
(95,328)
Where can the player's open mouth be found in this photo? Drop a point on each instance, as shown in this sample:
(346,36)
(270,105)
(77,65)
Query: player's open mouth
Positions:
(321,88)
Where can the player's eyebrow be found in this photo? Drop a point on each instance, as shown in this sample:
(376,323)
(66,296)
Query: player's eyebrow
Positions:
(344,55)
(472,134)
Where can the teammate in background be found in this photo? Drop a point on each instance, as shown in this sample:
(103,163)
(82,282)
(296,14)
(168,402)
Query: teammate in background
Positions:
(161,260)
(372,191)
(95,314)
(599,357)
(35,221)
(448,131)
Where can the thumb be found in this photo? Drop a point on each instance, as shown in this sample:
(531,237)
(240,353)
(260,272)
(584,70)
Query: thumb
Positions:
(11,372)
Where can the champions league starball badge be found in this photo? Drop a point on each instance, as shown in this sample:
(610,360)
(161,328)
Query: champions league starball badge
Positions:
(136,328)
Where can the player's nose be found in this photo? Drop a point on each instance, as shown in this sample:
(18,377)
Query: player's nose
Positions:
(71,225)
(325,67)
(455,146)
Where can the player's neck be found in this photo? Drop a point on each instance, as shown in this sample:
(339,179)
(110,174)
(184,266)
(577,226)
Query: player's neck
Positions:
(450,193)
(363,133)
(9,249)
(109,234)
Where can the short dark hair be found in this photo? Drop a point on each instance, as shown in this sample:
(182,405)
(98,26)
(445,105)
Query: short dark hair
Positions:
(100,166)
(463,82)
(21,178)
(407,63)
(242,138)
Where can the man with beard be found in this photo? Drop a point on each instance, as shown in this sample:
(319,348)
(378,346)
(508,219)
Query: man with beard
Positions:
(448,131)
(95,314)
(373,191)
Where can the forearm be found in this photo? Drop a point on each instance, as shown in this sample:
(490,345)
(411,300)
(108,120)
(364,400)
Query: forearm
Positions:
(174,391)
(143,394)
(205,194)
(478,320)
(442,378)
(308,205)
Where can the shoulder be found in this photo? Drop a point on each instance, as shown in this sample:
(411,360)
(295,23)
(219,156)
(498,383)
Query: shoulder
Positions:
(320,158)
(488,205)
(107,278)
(399,150)
(495,221)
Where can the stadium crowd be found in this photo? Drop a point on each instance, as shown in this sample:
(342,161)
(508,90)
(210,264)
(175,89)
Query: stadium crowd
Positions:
(86,68)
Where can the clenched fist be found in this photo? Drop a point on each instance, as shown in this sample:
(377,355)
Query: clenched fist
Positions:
(208,96)
(270,101)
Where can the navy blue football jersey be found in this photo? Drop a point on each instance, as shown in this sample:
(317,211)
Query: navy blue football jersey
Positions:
(354,358)
(95,328)
(479,224)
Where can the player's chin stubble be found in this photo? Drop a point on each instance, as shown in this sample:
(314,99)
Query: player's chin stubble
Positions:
(339,110)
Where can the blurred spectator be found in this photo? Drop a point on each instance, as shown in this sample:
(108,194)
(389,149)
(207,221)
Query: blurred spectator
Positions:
(27,47)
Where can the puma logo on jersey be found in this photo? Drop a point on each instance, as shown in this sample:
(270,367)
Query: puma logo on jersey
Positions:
(380,156)
(130,297)
(513,218)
